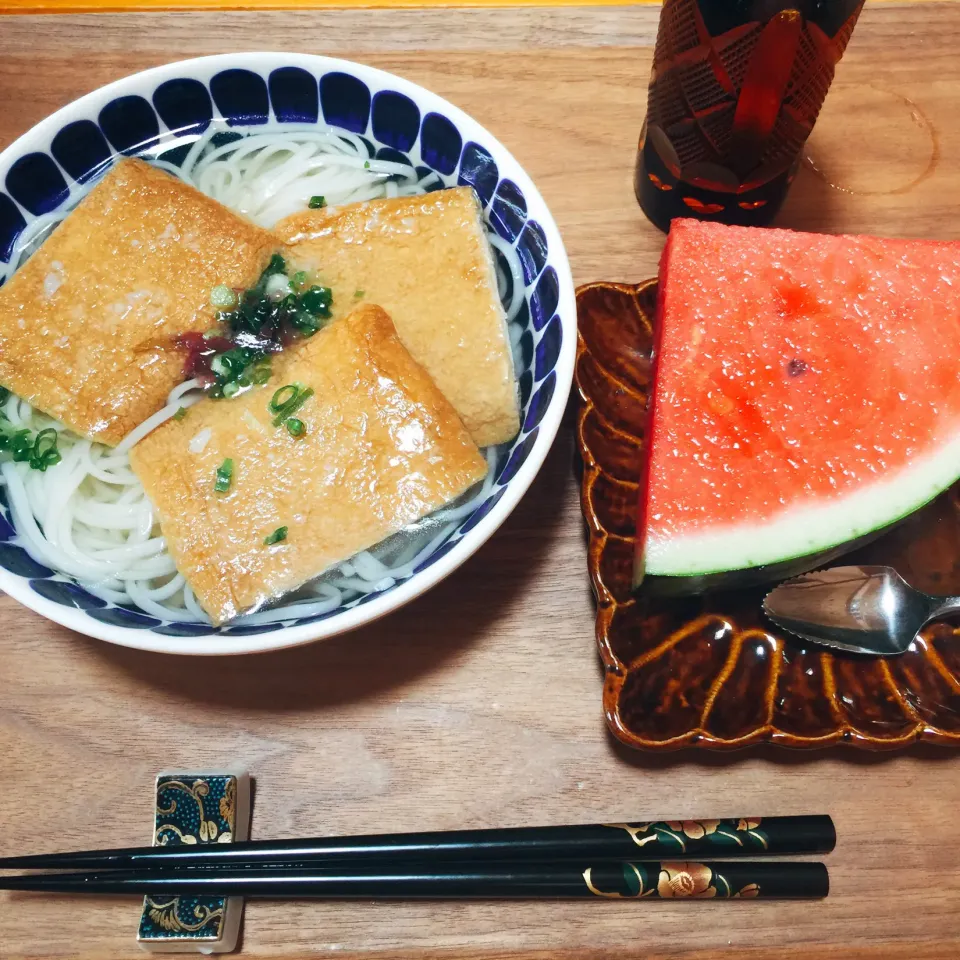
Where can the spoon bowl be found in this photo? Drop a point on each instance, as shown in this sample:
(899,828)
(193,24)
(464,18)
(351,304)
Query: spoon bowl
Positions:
(868,610)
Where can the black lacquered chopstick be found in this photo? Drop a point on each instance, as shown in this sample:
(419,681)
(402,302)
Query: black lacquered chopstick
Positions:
(743,837)
(607,880)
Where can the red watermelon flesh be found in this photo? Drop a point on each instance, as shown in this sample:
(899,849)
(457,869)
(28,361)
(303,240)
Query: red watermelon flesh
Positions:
(806,392)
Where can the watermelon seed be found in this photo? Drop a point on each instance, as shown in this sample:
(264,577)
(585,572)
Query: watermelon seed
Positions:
(796,367)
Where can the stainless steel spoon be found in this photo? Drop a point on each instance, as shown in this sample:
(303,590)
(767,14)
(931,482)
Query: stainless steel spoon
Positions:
(870,610)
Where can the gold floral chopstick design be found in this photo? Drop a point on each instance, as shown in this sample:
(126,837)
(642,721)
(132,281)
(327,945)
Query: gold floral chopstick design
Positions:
(687,880)
(730,837)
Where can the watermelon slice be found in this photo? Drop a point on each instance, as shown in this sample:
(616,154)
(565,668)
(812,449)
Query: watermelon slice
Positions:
(806,395)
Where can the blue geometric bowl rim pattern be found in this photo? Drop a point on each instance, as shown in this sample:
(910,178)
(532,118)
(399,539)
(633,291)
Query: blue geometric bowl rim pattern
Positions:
(515,200)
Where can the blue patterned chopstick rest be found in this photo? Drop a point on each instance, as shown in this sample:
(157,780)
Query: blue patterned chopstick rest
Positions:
(196,809)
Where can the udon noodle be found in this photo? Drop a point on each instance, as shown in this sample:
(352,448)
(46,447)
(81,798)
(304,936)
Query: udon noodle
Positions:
(89,518)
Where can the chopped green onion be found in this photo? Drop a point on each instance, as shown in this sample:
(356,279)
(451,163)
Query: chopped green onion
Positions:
(224,476)
(276,265)
(278,536)
(180,414)
(38,451)
(287,400)
(295,427)
(21,445)
(283,396)
(316,203)
(258,374)
(266,316)
(358,294)
(268,312)
(240,367)
(45,453)
(46,441)
(366,164)
(317,300)
(223,297)
(306,323)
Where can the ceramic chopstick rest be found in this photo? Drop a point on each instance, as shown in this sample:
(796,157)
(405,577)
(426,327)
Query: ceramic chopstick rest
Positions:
(196,808)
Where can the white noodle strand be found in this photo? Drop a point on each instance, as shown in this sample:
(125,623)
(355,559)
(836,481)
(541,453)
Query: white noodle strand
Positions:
(516,272)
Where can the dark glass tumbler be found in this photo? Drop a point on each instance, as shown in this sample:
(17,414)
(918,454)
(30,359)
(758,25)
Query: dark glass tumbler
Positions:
(735,91)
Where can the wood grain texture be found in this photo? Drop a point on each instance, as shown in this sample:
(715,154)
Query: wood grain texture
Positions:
(113,6)
(479,704)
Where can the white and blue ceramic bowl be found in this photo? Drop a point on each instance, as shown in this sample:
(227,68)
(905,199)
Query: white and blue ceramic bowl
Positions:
(40,171)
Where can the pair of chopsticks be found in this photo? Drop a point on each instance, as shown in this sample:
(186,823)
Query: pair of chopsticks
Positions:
(663,859)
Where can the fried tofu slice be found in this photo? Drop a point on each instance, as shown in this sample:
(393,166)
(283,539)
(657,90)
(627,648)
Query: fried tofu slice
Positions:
(87,323)
(382,448)
(426,260)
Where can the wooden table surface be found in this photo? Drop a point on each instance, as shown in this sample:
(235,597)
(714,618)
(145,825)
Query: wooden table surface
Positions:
(479,705)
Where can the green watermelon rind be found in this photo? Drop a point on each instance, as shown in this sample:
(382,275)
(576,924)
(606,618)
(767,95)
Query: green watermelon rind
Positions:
(784,567)
(657,585)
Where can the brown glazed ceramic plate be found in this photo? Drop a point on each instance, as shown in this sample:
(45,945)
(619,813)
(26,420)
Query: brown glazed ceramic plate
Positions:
(711,672)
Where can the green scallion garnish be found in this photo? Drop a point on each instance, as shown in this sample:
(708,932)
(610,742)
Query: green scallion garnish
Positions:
(276,265)
(38,451)
(366,164)
(278,536)
(317,301)
(21,445)
(257,374)
(307,323)
(287,400)
(238,368)
(45,453)
(316,203)
(295,427)
(263,318)
(222,297)
(224,476)
(358,294)
(180,414)
(283,396)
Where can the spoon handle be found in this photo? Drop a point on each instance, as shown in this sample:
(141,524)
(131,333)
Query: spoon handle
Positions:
(941,607)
